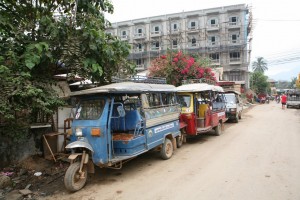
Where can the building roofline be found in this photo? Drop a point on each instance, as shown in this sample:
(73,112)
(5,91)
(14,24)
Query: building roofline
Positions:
(171,14)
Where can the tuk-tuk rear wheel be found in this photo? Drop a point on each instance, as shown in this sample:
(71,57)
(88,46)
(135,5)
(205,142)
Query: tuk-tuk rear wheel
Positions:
(73,179)
(237,119)
(179,139)
(166,151)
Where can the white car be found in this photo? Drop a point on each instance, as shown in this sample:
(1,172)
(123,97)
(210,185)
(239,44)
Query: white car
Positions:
(234,105)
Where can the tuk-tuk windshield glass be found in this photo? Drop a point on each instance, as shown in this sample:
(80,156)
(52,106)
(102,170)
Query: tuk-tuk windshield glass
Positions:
(230,98)
(90,109)
(184,100)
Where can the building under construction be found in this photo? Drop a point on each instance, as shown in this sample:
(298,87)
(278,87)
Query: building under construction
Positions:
(222,34)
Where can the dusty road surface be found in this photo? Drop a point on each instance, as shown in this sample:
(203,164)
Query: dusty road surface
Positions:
(256,159)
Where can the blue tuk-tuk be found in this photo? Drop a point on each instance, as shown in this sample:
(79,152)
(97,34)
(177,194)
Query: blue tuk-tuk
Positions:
(117,122)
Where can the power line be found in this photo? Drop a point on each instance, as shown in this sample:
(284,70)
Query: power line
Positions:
(279,20)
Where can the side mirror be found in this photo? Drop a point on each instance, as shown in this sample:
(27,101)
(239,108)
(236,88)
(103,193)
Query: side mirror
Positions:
(121,111)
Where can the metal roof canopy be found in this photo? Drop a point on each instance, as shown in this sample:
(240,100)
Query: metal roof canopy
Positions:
(232,91)
(198,87)
(127,87)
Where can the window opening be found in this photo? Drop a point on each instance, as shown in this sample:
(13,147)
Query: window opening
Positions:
(214,56)
(234,56)
(175,27)
(233,19)
(174,44)
(194,41)
(193,25)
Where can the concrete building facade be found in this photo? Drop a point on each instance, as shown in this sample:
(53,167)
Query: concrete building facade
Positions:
(222,34)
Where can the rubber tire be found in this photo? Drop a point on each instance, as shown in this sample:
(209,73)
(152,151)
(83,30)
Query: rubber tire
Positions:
(218,129)
(166,151)
(179,140)
(69,180)
(236,119)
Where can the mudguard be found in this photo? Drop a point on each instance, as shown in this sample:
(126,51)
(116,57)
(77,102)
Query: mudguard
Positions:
(80,144)
(182,125)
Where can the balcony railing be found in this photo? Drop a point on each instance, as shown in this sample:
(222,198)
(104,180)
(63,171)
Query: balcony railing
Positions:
(156,33)
(136,50)
(215,61)
(139,35)
(193,28)
(174,31)
(212,44)
(233,42)
(193,45)
(124,37)
(140,67)
(233,23)
(234,60)
(212,27)
(155,48)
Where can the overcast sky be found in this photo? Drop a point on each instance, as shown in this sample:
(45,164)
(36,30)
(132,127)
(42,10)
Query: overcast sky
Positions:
(276,33)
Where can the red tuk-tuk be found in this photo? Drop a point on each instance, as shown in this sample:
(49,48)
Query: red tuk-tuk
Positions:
(202,107)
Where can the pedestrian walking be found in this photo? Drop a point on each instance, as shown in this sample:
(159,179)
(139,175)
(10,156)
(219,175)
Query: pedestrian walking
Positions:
(283,101)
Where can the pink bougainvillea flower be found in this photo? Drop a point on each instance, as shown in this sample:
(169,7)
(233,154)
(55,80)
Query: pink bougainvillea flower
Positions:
(182,66)
(207,69)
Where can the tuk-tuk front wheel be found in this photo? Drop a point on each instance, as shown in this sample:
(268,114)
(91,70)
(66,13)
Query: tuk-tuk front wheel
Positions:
(74,180)
(218,129)
(166,151)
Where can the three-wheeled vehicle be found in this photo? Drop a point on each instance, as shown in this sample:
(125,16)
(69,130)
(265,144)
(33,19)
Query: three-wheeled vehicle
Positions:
(117,122)
(203,107)
(234,105)
(293,98)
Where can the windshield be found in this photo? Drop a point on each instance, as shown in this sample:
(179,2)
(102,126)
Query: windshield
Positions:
(90,109)
(230,98)
(184,100)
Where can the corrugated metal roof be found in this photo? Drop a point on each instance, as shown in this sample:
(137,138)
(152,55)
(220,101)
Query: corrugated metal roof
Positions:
(197,87)
(127,87)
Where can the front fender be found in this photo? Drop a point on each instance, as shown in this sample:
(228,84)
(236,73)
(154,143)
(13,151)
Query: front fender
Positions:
(80,144)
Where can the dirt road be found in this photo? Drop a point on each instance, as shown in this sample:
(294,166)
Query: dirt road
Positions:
(258,158)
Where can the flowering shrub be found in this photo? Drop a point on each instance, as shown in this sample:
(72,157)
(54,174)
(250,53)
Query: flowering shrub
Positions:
(177,66)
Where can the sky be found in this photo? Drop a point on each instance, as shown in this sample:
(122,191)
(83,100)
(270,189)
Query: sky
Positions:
(276,33)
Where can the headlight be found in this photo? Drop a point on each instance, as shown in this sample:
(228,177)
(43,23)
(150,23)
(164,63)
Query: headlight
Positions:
(78,132)
(232,109)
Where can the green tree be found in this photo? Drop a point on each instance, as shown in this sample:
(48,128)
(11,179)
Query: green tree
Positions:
(177,66)
(259,83)
(260,65)
(41,38)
